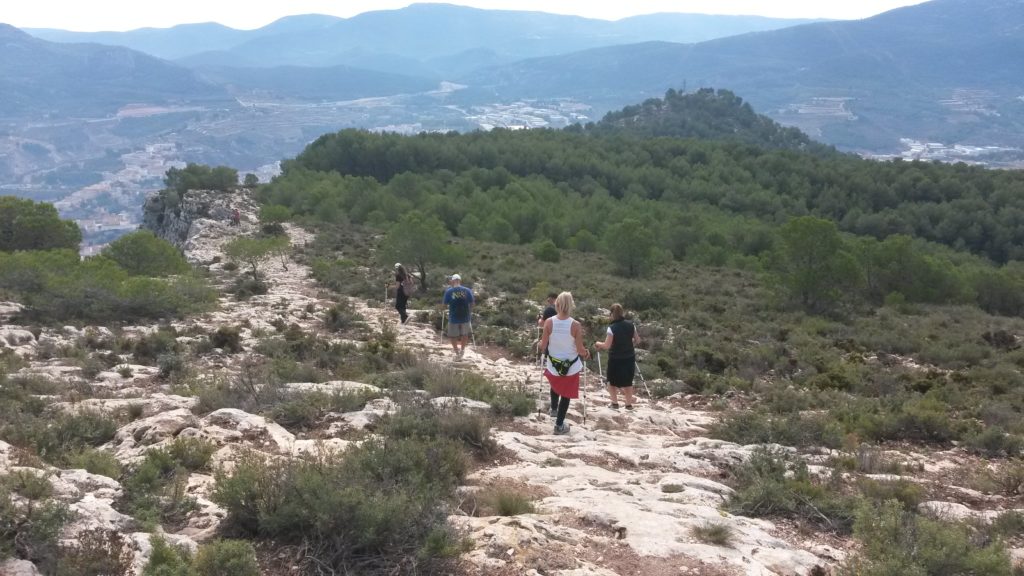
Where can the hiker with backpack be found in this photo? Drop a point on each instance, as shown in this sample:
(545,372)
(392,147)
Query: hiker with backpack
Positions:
(459,300)
(406,286)
(619,342)
(562,343)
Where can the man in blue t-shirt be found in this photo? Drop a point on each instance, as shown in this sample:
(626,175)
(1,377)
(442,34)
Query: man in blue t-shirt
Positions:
(460,310)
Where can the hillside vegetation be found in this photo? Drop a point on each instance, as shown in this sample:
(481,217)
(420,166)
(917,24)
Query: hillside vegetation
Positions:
(718,203)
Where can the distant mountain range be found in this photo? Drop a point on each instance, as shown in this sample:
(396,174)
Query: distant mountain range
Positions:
(40,78)
(950,70)
(422,39)
(946,70)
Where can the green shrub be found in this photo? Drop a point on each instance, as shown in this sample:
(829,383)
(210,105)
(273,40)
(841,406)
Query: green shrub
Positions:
(155,489)
(906,492)
(794,430)
(472,430)
(166,560)
(896,542)
(191,453)
(226,558)
(143,254)
(765,489)
(340,317)
(497,501)
(513,401)
(30,225)
(28,485)
(374,506)
(95,461)
(56,437)
(97,552)
(149,348)
(994,442)
(300,410)
(228,338)
(31,532)
(713,533)
(546,251)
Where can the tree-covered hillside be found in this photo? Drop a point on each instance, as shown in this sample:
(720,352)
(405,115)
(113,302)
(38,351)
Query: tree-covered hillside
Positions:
(706,114)
(702,201)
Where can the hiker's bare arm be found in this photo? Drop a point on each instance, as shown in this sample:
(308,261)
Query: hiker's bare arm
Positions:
(606,344)
(577,332)
(546,336)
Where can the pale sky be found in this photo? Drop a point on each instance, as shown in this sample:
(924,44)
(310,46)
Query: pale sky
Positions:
(92,15)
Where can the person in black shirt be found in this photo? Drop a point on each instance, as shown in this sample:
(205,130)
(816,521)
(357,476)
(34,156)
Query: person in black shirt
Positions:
(621,337)
(401,298)
(549,310)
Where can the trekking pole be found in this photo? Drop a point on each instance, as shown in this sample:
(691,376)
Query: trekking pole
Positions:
(584,392)
(600,371)
(385,294)
(644,382)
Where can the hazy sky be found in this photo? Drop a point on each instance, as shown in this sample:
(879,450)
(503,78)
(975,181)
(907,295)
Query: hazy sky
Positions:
(89,15)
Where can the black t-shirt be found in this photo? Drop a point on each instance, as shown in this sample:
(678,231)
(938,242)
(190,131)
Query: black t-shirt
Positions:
(549,312)
(622,339)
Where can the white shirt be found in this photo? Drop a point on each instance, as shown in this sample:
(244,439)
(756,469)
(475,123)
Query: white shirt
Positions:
(562,345)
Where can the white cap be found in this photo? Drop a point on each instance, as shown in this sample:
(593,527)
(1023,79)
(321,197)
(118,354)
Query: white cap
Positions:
(397,265)
(456,277)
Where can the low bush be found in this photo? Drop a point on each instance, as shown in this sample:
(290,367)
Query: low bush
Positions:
(341,317)
(226,558)
(769,484)
(424,421)
(56,437)
(796,430)
(150,347)
(301,410)
(97,552)
(227,338)
(497,501)
(95,461)
(30,529)
(167,559)
(713,533)
(155,489)
(378,507)
(895,542)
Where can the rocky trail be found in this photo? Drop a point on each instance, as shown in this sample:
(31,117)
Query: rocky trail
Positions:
(622,494)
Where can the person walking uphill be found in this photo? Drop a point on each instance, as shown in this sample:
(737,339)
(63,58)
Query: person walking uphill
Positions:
(622,335)
(564,352)
(459,300)
(402,293)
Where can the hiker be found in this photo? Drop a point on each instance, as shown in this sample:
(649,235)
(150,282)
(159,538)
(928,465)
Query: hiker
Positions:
(405,282)
(549,310)
(621,337)
(236,217)
(562,344)
(459,300)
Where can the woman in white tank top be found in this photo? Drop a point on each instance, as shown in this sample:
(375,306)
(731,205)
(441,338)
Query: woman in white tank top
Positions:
(563,343)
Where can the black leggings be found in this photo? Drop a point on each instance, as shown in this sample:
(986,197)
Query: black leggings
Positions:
(561,404)
(400,302)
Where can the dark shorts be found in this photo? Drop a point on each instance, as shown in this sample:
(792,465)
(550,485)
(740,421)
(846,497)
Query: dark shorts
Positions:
(621,372)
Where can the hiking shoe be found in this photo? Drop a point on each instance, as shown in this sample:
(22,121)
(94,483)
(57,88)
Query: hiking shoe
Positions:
(553,413)
(458,355)
(615,406)
(629,406)
(561,430)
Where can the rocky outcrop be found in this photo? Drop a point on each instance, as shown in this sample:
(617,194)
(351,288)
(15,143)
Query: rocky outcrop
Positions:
(179,218)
